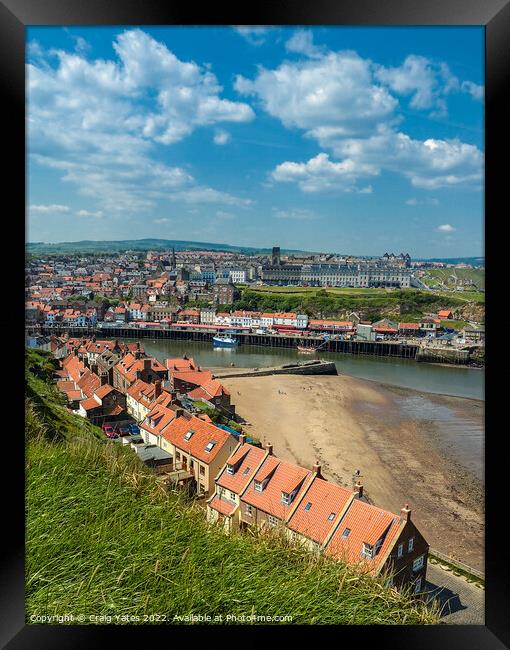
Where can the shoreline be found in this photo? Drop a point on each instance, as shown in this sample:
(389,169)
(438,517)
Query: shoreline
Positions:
(396,436)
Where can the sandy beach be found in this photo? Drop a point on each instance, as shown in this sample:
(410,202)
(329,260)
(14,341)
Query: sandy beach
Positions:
(395,436)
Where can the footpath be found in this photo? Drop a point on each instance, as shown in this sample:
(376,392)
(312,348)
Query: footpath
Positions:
(461,602)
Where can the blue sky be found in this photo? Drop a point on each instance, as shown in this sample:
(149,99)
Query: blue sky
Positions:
(345,139)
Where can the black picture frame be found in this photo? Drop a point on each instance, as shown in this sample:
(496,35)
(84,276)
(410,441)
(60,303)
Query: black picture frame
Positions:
(15,15)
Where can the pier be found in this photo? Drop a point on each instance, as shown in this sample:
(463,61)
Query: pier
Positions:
(372,348)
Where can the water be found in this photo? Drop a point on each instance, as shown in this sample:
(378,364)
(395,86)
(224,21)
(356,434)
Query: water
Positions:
(430,378)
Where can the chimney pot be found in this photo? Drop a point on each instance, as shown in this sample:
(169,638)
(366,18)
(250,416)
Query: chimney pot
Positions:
(269,448)
(406,512)
(317,468)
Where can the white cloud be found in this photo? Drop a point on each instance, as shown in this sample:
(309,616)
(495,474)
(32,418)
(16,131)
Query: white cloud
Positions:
(254,34)
(344,103)
(427,201)
(207,195)
(427,82)
(321,174)
(160,221)
(221,137)
(89,213)
(301,42)
(225,216)
(54,208)
(297,214)
(332,97)
(476,91)
(446,228)
(97,121)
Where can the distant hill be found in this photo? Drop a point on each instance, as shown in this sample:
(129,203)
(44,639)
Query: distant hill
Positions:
(90,246)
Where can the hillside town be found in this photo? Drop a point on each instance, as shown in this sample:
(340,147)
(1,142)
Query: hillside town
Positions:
(173,415)
(200,289)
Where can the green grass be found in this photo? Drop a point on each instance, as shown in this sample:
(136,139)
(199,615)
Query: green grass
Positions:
(447,276)
(103,538)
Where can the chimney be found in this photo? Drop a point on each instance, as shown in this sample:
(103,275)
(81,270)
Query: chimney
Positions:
(147,364)
(269,448)
(157,388)
(406,513)
(358,489)
(242,438)
(103,379)
(317,469)
(179,413)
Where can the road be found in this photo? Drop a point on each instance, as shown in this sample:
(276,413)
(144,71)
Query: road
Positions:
(462,602)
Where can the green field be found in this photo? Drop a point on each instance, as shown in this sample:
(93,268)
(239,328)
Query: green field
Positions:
(104,539)
(447,277)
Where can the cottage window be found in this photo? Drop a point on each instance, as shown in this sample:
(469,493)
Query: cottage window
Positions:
(400,550)
(367,550)
(417,587)
(249,510)
(418,563)
(202,470)
(230,469)
(331,516)
(272,521)
(209,446)
(346,532)
(410,545)
(189,434)
(232,496)
(308,506)
(246,470)
(286,498)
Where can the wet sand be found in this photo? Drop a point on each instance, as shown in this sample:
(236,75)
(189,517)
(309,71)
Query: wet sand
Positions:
(406,443)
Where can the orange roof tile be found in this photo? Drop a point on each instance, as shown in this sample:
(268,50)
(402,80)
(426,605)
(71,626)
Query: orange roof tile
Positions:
(283,477)
(223,506)
(319,507)
(203,434)
(245,460)
(367,524)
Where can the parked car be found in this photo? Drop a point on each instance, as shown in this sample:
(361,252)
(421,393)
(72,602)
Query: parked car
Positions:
(108,431)
(124,430)
(134,429)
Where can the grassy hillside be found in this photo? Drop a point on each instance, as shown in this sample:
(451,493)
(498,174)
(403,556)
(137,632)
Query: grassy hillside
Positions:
(450,278)
(405,304)
(102,538)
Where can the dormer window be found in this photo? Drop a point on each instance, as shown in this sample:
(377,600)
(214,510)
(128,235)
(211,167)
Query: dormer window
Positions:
(259,486)
(367,550)
(210,446)
(230,469)
(288,498)
(189,434)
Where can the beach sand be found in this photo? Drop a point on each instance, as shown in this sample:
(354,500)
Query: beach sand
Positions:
(347,424)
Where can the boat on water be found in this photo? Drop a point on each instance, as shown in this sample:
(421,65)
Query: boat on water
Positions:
(307,349)
(224,341)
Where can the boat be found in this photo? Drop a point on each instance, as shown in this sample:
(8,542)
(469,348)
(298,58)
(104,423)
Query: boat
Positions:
(307,349)
(224,341)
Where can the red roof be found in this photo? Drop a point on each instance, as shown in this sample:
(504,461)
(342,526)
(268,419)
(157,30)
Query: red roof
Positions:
(225,507)
(319,508)
(366,524)
(283,477)
(245,460)
(203,434)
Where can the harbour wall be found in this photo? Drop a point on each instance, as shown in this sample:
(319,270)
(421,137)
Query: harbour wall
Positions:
(316,368)
(369,348)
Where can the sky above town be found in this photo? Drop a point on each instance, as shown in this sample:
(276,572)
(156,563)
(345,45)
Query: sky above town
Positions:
(341,139)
